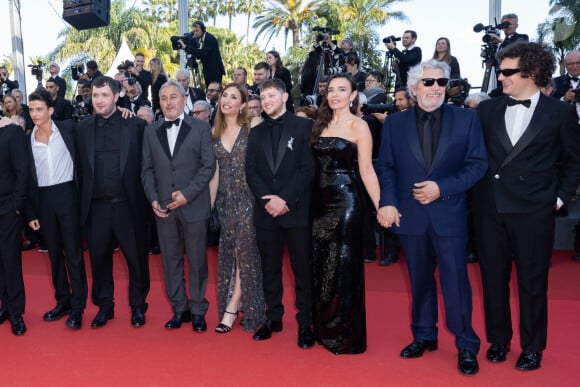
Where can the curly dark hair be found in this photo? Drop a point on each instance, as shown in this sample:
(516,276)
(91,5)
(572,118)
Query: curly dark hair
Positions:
(536,60)
(325,113)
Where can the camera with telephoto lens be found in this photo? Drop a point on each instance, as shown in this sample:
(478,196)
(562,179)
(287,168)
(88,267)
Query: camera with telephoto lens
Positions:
(309,100)
(188,38)
(81,109)
(391,39)
(323,32)
(368,109)
(80,68)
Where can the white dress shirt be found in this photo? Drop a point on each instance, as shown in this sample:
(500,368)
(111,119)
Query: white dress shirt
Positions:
(173,132)
(53,162)
(518,117)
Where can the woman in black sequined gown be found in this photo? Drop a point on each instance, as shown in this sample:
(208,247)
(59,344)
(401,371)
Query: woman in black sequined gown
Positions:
(341,144)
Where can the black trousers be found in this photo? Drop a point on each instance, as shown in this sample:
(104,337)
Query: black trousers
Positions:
(110,222)
(59,221)
(11,279)
(526,239)
(271,244)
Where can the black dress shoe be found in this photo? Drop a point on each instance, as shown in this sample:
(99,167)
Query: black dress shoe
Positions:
(417,347)
(137,317)
(265,331)
(102,317)
(178,319)
(471,257)
(75,320)
(467,362)
(497,352)
(198,323)
(305,337)
(529,361)
(370,258)
(18,326)
(28,245)
(4,315)
(58,312)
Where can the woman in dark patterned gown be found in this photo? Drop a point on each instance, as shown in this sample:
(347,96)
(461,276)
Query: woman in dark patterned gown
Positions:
(239,270)
(341,143)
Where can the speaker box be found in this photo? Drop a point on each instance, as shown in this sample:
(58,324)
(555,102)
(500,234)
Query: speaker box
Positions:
(91,14)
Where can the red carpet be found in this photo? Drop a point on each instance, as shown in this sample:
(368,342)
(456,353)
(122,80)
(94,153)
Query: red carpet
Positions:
(50,354)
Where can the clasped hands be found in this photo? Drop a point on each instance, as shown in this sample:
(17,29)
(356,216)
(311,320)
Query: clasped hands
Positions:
(177,200)
(276,206)
(424,192)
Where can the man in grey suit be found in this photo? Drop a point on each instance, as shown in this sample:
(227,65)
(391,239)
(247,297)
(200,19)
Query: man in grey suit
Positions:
(178,163)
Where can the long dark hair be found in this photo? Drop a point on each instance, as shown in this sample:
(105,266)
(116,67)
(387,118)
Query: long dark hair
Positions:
(220,120)
(325,113)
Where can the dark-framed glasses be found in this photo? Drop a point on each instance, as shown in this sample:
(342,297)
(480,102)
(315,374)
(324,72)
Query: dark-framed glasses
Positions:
(431,81)
(508,72)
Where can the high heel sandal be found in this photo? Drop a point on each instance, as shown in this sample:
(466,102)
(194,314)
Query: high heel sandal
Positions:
(223,328)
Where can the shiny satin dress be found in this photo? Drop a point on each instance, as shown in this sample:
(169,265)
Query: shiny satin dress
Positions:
(338,264)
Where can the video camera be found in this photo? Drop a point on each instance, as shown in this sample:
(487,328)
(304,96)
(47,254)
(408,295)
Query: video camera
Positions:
(125,66)
(391,39)
(457,91)
(487,38)
(188,38)
(36,70)
(80,68)
(322,32)
(81,109)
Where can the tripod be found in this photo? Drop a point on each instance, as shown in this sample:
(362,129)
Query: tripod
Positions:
(489,64)
(194,67)
(391,71)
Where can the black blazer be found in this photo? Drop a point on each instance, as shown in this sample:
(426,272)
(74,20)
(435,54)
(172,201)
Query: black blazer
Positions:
(289,178)
(14,169)
(66,129)
(130,165)
(407,59)
(63,109)
(544,163)
(562,86)
(211,59)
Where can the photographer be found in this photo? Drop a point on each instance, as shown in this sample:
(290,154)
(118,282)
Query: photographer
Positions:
(54,70)
(333,56)
(82,102)
(204,46)
(352,63)
(6,85)
(509,24)
(78,71)
(409,57)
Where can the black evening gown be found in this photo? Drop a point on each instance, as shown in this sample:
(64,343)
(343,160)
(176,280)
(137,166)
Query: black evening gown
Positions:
(338,264)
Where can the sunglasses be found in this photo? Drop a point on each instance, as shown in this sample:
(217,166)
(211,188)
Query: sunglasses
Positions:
(508,72)
(431,81)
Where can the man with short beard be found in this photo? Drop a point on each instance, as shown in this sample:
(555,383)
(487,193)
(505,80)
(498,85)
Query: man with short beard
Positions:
(279,169)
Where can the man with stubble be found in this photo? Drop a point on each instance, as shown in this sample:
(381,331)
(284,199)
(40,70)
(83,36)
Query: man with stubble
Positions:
(279,168)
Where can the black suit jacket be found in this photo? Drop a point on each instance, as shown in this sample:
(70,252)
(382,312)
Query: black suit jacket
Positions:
(562,86)
(63,109)
(514,38)
(290,177)
(407,59)
(61,86)
(14,169)
(66,129)
(130,165)
(211,59)
(543,165)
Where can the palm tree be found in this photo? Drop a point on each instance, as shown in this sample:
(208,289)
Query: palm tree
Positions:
(561,28)
(288,16)
(229,8)
(250,7)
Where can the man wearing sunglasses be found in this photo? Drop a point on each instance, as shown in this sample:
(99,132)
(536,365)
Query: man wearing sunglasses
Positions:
(430,155)
(533,146)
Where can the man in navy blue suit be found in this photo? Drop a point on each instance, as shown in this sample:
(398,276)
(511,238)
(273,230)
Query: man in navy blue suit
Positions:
(430,156)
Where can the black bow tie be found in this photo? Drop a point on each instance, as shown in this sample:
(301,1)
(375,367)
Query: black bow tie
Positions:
(275,121)
(169,124)
(571,78)
(513,102)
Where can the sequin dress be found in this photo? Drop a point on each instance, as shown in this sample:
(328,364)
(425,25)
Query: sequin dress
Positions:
(339,291)
(235,204)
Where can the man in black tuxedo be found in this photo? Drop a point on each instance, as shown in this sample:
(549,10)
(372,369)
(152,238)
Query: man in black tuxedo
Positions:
(112,202)
(409,57)
(53,206)
(62,109)
(566,84)
(279,169)
(205,47)
(194,94)
(533,147)
(14,170)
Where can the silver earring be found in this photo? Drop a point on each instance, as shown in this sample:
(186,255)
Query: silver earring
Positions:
(350,104)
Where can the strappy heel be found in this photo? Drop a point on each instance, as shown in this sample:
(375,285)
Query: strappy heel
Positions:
(223,328)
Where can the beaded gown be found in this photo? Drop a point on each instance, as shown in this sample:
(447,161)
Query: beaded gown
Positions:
(235,206)
(338,265)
